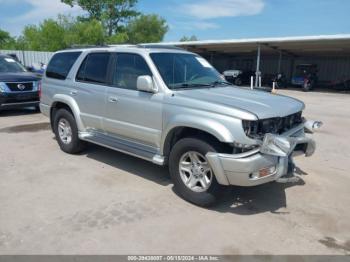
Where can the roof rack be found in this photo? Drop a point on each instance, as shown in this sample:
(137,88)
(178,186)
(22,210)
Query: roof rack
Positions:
(159,46)
(86,46)
(148,46)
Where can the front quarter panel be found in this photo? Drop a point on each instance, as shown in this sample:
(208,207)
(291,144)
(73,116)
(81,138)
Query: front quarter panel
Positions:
(225,128)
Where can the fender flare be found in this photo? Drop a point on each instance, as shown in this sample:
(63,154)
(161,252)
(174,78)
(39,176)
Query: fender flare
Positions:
(72,104)
(207,125)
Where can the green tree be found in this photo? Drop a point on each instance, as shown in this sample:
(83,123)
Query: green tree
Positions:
(147,29)
(6,41)
(187,39)
(82,32)
(47,36)
(114,14)
(53,35)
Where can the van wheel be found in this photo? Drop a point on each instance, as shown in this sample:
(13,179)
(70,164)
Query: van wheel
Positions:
(66,132)
(191,173)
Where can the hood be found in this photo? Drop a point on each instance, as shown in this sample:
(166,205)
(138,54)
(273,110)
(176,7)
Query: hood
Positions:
(18,77)
(261,104)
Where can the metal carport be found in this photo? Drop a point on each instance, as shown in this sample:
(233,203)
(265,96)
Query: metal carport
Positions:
(279,54)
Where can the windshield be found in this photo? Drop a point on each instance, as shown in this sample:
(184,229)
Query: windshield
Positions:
(180,71)
(9,65)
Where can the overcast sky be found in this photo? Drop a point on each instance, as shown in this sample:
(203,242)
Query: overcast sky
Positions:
(208,19)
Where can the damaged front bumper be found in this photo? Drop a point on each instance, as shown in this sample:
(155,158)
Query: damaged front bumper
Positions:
(271,161)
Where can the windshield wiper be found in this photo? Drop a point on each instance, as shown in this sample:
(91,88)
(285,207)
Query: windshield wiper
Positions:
(184,86)
(217,83)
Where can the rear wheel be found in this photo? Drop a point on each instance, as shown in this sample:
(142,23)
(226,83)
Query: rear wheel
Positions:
(66,132)
(193,178)
(308,85)
(238,81)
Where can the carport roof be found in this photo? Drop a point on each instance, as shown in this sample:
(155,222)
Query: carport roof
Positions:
(338,45)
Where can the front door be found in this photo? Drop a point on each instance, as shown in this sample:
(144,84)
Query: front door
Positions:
(131,114)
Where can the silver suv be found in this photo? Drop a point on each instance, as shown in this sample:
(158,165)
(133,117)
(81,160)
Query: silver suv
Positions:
(171,107)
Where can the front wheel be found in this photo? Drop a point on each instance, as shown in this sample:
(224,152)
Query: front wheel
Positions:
(193,178)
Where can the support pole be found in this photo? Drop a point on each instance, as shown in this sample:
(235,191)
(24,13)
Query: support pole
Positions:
(279,62)
(257,72)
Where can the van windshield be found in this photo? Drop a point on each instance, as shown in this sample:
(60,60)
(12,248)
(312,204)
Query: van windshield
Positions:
(181,71)
(9,65)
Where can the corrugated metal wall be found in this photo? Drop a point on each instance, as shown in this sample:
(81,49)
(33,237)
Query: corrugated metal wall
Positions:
(330,68)
(27,58)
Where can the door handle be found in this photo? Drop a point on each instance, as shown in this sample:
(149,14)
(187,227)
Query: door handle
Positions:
(73,92)
(113,99)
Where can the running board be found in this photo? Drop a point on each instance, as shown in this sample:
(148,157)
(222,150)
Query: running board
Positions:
(135,149)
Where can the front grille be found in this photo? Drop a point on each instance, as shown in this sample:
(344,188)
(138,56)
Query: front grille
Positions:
(19,87)
(277,125)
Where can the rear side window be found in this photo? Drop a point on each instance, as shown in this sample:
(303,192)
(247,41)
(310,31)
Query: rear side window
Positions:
(128,68)
(94,68)
(61,64)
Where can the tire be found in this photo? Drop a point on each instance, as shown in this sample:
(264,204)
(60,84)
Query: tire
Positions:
(197,195)
(71,145)
(37,109)
(238,82)
(308,86)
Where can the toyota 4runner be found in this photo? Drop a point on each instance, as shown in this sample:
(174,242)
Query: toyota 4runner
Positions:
(171,107)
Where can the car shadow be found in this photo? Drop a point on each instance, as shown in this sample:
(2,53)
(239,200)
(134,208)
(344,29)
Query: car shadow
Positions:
(18,112)
(269,197)
(130,164)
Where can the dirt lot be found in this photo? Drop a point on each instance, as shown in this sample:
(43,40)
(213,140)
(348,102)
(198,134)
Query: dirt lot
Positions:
(104,202)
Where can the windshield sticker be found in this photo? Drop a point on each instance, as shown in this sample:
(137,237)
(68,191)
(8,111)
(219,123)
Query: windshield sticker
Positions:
(203,62)
(10,60)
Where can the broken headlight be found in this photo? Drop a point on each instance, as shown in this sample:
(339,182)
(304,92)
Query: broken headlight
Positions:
(277,125)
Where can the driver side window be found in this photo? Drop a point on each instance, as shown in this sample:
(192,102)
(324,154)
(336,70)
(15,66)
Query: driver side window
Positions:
(128,68)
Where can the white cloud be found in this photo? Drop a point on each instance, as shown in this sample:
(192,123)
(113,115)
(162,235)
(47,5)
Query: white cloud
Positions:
(38,11)
(193,25)
(42,9)
(209,9)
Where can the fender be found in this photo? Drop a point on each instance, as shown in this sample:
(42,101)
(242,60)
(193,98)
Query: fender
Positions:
(208,125)
(73,106)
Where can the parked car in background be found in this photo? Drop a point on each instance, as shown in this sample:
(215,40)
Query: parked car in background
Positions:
(238,77)
(171,107)
(305,76)
(37,68)
(18,87)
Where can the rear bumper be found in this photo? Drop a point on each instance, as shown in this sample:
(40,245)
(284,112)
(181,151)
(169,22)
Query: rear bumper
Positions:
(246,169)
(45,109)
(18,100)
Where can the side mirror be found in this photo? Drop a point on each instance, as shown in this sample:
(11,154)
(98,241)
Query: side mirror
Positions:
(145,83)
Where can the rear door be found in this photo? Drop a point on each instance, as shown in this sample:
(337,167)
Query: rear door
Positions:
(90,89)
(132,114)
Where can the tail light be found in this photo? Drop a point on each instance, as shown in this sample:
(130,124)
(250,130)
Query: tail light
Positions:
(39,88)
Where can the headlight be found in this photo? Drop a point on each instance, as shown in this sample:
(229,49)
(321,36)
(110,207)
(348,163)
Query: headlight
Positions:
(278,125)
(250,127)
(35,85)
(3,87)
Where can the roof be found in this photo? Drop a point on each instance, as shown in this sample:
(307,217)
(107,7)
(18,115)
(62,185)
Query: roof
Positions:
(297,45)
